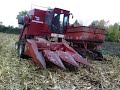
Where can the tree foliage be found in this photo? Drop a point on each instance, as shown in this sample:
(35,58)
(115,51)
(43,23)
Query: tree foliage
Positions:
(99,24)
(77,23)
(22,13)
(113,33)
(1,23)
(9,29)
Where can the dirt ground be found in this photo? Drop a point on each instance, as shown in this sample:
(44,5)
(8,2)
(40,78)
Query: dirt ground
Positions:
(23,74)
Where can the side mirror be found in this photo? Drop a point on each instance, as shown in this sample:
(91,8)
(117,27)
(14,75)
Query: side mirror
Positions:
(21,20)
(72,15)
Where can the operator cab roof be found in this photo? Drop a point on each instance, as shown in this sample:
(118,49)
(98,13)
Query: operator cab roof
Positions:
(55,10)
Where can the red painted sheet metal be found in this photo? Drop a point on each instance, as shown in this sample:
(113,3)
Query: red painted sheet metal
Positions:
(54,58)
(80,59)
(35,54)
(37,25)
(85,36)
(85,33)
(75,55)
(46,45)
(65,56)
(85,29)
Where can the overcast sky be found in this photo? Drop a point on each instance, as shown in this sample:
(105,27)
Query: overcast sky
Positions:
(85,10)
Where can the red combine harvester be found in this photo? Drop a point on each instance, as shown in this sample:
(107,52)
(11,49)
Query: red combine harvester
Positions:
(47,37)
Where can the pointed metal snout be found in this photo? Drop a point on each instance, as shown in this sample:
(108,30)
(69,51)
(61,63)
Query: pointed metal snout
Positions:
(67,57)
(54,58)
(80,59)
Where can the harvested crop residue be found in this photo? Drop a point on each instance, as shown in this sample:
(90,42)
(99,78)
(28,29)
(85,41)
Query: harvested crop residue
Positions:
(23,74)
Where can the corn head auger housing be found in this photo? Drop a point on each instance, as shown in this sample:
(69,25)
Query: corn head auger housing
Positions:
(47,37)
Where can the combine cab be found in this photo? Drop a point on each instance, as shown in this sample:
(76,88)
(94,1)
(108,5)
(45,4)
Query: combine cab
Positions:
(46,34)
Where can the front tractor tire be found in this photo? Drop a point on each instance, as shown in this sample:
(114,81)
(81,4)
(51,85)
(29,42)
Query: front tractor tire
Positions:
(16,45)
(21,49)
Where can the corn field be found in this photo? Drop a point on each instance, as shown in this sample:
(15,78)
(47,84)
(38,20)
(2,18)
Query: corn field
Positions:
(23,74)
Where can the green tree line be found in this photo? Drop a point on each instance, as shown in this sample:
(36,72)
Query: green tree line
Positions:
(9,29)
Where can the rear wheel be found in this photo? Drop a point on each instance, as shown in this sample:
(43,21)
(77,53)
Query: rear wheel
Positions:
(82,53)
(99,55)
(21,49)
(95,54)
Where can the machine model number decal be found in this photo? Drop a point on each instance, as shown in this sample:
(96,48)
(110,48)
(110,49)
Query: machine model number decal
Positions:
(37,20)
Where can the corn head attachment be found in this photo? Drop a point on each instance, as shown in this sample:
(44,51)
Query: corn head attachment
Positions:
(43,51)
